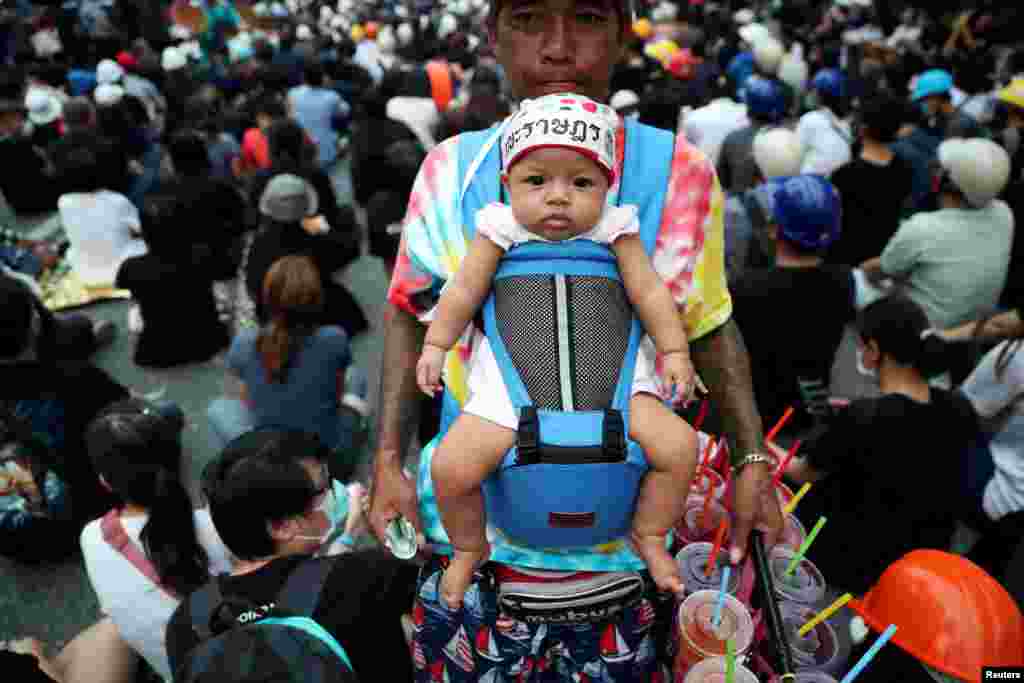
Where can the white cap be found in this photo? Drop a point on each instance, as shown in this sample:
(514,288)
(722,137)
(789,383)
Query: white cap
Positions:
(623,99)
(778,153)
(980,168)
(107,94)
(304,32)
(108,71)
(173,58)
(768,55)
(404,34)
(754,33)
(43,107)
(447,26)
(563,120)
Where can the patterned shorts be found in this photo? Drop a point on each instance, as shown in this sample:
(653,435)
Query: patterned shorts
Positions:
(476,643)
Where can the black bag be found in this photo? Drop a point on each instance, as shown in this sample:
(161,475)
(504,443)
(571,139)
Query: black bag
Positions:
(282,645)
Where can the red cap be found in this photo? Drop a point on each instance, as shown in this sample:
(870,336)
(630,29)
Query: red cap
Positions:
(127,59)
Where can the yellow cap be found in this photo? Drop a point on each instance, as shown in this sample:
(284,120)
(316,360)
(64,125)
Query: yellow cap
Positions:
(1013,93)
(357,33)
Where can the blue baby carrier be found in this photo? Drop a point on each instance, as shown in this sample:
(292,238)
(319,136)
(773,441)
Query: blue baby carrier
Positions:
(566,339)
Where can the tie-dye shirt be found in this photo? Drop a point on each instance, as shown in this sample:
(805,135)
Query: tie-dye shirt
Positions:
(688,254)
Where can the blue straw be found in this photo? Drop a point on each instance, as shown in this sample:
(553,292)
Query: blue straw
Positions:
(869,655)
(716,618)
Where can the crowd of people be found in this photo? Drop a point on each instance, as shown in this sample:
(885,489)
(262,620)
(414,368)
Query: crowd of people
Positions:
(612,228)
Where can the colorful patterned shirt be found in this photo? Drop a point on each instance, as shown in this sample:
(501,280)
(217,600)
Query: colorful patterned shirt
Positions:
(688,254)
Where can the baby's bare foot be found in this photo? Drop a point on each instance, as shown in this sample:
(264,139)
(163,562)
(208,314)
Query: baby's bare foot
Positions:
(660,564)
(459,575)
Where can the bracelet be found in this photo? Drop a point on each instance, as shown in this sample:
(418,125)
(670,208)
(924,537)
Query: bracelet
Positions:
(754,459)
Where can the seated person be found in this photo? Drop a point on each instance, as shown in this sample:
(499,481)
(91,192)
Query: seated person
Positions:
(272,503)
(557,188)
(867,463)
(951,620)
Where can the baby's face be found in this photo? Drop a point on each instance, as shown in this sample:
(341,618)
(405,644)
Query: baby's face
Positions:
(556,193)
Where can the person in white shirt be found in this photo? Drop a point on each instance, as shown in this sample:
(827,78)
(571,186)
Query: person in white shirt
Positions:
(707,127)
(145,556)
(823,132)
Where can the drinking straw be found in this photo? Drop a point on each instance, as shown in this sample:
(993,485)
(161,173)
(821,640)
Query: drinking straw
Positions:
(791,505)
(730,661)
(780,424)
(702,415)
(869,655)
(773,617)
(824,614)
(716,618)
(719,540)
(704,511)
(798,558)
(785,462)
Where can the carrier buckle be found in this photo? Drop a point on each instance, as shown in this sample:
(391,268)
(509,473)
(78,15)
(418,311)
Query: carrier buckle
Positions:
(613,439)
(528,437)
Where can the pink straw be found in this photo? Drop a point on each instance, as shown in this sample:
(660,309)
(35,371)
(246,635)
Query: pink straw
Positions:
(785,463)
(702,414)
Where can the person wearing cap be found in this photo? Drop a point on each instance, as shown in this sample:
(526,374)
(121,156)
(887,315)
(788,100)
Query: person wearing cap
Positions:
(545,48)
(1012,99)
(708,126)
(866,457)
(952,620)
(24,181)
(954,261)
(933,96)
(791,361)
(824,131)
(875,187)
(766,107)
(743,65)
(109,72)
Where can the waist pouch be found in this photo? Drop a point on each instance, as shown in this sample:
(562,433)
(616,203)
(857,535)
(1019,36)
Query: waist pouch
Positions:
(593,599)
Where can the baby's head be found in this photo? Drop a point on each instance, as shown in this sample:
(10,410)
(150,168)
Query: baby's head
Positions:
(558,161)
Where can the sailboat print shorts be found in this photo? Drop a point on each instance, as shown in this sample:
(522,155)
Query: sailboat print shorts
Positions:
(478,644)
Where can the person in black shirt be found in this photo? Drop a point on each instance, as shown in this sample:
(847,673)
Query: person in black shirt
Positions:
(874,187)
(24,182)
(887,470)
(793,315)
(268,492)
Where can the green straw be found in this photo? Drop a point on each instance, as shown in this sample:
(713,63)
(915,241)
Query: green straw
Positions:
(730,661)
(798,558)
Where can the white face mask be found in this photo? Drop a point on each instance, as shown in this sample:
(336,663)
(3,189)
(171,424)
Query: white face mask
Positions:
(331,507)
(863,369)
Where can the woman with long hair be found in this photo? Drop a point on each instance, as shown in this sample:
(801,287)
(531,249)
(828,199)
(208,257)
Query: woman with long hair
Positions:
(291,371)
(144,556)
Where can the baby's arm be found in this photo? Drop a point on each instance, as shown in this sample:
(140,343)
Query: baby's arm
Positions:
(466,293)
(655,307)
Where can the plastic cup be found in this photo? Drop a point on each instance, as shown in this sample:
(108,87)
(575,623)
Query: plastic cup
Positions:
(696,526)
(805,585)
(713,671)
(820,648)
(700,639)
(693,559)
(707,480)
(793,534)
(784,493)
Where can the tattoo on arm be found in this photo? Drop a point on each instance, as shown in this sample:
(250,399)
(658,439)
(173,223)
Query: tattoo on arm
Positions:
(398,402)
(722,361)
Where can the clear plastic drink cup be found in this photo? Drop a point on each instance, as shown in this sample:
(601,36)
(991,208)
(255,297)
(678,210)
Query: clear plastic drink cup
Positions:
(692,561)
(700,638)
(805,585)
(696,526)
(793,533)
(707,480)
(713,671)
(814,677)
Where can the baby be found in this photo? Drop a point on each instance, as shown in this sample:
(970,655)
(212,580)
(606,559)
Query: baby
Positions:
(557,188)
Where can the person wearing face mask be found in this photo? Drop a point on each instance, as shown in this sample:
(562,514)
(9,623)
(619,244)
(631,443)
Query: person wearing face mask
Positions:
(887,471)
(274,504)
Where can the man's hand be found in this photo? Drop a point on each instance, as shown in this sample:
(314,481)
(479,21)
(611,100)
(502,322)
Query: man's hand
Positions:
(391,496)
(757,507)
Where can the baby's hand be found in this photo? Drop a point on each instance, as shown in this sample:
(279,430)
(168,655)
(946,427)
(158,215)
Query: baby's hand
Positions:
(428,369)
(679,373)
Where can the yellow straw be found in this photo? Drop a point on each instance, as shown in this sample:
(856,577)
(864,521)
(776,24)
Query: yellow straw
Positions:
(824,614)
(791,505)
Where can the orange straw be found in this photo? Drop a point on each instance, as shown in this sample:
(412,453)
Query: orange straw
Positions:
(707,454)
(702,415)
(719,540)
(780,424)
(785,463)
(704,511)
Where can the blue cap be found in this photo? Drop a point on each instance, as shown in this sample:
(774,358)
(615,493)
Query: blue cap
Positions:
(807,210)
(764,98)
(830,82)
(934,82)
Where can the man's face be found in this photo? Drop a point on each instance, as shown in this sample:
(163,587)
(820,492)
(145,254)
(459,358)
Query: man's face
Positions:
(554,46)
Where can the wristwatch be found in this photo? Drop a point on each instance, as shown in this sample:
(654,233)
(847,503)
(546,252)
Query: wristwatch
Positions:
(753,459)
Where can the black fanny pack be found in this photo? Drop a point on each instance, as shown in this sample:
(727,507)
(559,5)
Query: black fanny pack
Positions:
(593,599)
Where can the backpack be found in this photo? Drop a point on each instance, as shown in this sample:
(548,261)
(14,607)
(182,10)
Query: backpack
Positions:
(565,338)
(284,644)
